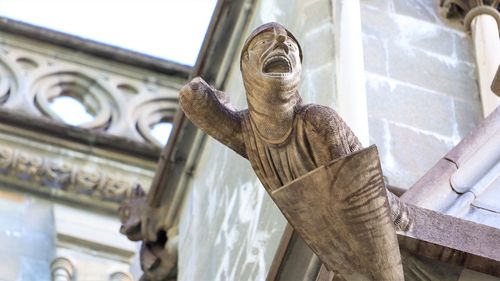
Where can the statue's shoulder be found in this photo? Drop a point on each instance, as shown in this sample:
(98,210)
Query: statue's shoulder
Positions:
(318,116)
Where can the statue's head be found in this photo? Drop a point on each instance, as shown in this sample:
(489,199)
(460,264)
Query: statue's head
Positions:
(271,56)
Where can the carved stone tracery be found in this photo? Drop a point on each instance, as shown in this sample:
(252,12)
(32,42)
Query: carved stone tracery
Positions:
(50,173)
(120,104)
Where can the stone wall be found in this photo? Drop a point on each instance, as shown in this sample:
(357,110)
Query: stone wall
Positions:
(421,85)
(26,237)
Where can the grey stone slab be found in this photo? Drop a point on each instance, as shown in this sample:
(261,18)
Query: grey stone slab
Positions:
(318,46)
(463,47)
(415,32)
(315,13)
(425,35)
(375,57)
(405,154)
(378,24)
(415,152)
(318,85)
(230,228)
(468,116)
(410,106)
(422,9)
(435,73)
(383,5)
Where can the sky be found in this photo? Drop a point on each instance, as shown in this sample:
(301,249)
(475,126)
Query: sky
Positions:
(168,29)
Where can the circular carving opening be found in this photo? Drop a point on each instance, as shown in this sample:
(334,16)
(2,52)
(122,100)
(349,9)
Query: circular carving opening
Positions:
(71,110)
(161,131)
(74,98)
(26,63)
(153,116)
(128,89)
(9,83)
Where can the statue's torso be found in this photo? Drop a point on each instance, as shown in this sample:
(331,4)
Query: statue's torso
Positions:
(306,148)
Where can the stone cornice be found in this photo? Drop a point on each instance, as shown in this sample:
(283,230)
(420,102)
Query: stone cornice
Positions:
(94,48)
(70,172)
(49,131)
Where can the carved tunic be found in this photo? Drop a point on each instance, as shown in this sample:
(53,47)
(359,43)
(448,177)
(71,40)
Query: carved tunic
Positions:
(318,136)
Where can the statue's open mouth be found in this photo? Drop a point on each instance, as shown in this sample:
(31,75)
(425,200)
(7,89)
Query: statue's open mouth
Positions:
(277,65)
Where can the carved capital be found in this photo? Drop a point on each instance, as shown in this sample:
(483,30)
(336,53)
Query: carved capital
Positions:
(120,276)
(466,10)
(62,269)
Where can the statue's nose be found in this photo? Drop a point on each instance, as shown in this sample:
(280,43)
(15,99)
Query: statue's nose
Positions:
(281,38)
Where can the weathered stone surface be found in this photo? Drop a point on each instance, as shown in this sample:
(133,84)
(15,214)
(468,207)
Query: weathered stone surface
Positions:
(406,154)
(424,35)
(467,116)
(379,24)
(318,85)
(240,226)
(421,9)
(375,55)
(434,73)
(403,104)
(383,5)
(315,13)
(26,237)
(319,47)
(463,48)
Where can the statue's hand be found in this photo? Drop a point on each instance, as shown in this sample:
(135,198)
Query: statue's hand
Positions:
(197,86)
(198,89)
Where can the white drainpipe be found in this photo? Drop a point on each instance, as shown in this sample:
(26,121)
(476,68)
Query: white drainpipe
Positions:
(351,88)
(484,23)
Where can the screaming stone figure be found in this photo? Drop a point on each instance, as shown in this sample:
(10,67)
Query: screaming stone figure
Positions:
(281,137)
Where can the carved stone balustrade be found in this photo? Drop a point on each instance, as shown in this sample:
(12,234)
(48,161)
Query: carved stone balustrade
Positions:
(121,99)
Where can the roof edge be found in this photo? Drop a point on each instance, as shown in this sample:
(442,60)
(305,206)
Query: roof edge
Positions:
(94,48)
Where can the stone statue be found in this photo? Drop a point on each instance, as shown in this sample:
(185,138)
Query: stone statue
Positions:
(285,139)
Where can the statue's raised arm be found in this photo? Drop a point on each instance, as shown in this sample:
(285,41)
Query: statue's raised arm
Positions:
(210,110)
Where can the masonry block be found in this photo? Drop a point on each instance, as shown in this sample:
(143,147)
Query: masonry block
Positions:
(406,154)
(375,57)
(437,74)
(410,106)
(427,10)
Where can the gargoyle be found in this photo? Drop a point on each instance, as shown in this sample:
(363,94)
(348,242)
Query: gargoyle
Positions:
(158,255)
(285,139)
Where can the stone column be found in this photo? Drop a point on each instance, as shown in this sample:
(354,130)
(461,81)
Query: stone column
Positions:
(483,20)
(120,276)
(351,91)
(62,269)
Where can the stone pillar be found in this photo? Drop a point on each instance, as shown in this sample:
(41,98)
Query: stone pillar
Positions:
(483,20)
(351,91)
(120,276)
(62,269)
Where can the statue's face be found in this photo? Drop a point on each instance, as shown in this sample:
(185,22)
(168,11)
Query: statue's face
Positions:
(273,53)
